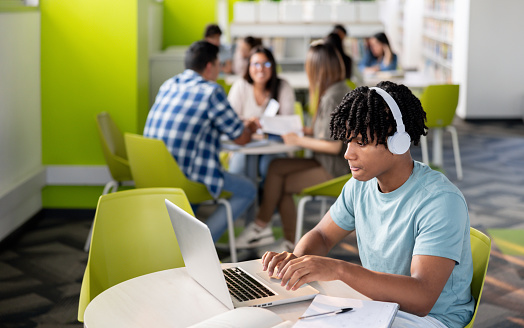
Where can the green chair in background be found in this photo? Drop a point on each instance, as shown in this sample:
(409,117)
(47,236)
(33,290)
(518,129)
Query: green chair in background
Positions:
(480,249)
(132,236)
(351,84)
(440,103)
(114,150)
(153,166)
(113,147)
(323,191)
(224,85)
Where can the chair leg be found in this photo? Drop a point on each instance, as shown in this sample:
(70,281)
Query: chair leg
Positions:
(437,147)
(111,186)
(323,205)
(88,240)
(230,228)
(300,217)
(456,150)
(424,148)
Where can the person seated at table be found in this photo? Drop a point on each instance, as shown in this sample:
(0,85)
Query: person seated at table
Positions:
(242,52)
(411,222)
(190,113)
(250,96)
(334,39)
(288,176)
(379,56)
(212,34)
(341,31)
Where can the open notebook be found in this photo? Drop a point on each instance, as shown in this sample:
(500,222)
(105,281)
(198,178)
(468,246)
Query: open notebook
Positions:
(365,313)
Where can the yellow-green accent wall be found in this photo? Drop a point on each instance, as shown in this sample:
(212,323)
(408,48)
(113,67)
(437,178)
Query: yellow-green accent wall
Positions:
(185,21)
(94,58)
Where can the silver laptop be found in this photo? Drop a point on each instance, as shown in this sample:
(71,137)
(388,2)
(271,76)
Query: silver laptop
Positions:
(203,265)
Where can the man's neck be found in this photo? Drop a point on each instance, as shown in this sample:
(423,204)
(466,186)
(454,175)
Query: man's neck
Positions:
(397,175)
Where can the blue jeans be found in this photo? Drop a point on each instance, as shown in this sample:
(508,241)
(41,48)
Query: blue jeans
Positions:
(244,193)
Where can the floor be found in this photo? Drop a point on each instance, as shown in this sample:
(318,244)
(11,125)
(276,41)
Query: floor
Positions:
(41,267)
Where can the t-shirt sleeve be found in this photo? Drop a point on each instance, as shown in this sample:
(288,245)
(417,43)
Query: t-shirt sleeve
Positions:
(441,227)
(342,211)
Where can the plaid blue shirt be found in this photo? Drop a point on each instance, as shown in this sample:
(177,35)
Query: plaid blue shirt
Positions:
(189,115)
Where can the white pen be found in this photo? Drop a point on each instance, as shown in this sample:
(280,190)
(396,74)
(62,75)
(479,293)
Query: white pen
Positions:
(343,310)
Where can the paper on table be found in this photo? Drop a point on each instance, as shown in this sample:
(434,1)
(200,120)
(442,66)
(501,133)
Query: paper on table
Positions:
(371,314)
(281,124)
(272,108)
(228,145)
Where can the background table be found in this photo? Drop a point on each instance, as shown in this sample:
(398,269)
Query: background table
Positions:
(252,158)
(171,298)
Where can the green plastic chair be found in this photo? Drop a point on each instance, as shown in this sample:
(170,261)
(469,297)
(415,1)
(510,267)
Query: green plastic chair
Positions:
(132,236)
(351,84)
(224,85)
(480,249)
(153,166)
(323,191)
(113,147)
(440,104)
(114,150)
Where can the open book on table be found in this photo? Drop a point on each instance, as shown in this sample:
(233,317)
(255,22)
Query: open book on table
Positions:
(364,313)
(252,317)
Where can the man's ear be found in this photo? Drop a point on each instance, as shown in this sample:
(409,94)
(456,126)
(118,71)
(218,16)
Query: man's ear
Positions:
(207,69)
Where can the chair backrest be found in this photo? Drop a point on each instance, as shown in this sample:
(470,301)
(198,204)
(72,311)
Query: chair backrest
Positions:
(440,103)
(480,249)
(224,85)
(351,84)
(132,236)
(153,166)
(330,188)
(299,110)
(113,147)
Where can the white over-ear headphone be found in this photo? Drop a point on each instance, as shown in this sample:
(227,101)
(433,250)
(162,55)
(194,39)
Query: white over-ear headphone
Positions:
(399,142)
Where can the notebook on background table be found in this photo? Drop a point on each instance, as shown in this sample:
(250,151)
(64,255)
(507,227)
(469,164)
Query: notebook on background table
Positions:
(203,265)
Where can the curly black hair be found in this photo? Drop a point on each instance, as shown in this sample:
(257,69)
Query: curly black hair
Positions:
(363,109)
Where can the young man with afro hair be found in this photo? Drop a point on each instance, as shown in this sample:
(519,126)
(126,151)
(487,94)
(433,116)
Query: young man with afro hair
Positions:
(411,223)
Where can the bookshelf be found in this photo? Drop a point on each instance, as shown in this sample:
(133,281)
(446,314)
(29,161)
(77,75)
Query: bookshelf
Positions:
(437,39)
(289,27)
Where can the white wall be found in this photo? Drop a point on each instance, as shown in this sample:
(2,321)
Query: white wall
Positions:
(488,61)
(21,172)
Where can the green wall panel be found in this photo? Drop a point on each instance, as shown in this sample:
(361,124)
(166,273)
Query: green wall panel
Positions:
(94,57)
(185,21)
(89,64)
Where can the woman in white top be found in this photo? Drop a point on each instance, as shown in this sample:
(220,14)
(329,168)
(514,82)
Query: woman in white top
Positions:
(250,95)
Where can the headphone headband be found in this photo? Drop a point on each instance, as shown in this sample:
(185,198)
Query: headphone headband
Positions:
(392,104)
(400,141)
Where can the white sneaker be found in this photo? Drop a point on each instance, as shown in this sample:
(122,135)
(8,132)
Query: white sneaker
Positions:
(255,236)
(283,246)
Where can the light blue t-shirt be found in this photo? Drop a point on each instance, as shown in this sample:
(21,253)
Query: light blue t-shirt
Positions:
(427,215)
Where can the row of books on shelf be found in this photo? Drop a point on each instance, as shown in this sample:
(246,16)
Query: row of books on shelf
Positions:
(439,72)
(442,7)
(439,49)
(441,30)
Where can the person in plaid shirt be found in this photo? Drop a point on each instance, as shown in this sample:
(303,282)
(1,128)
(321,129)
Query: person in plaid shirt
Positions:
(190,114)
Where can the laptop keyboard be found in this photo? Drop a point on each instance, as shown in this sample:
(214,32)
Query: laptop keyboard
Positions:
(243,287)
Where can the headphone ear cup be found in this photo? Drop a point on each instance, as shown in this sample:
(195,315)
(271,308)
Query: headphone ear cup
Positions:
(399,143)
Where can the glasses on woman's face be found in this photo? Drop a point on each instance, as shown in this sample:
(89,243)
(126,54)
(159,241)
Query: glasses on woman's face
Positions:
(260,65)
